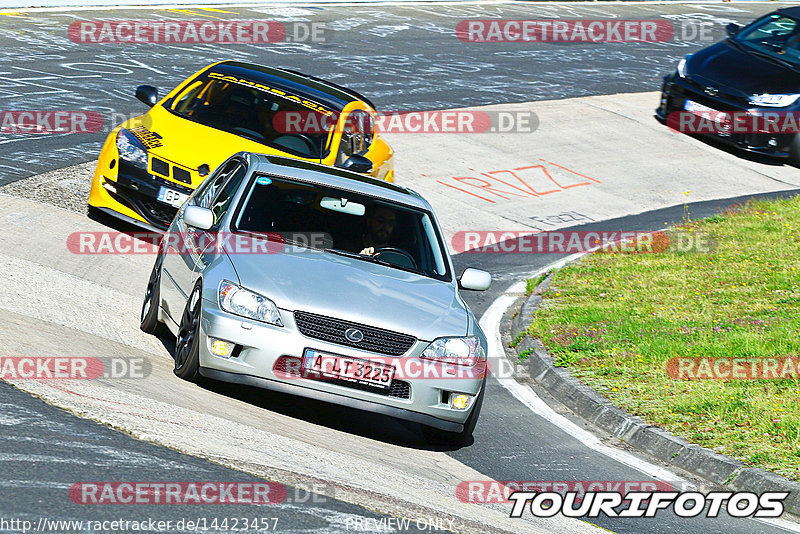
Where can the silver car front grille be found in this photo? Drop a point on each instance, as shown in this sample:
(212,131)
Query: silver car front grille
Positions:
(333,331)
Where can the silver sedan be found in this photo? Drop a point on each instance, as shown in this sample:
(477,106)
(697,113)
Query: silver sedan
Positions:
(324,283)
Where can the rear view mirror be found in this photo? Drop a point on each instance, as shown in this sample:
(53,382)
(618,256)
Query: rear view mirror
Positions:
(357,163)
(732,29)
(475,280)
(147,94)
(197,217)
(342,205)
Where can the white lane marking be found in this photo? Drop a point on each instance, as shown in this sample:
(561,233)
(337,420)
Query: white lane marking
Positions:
(490,323)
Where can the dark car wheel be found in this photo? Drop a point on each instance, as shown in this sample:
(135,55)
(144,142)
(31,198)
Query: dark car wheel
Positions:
(187,343)
(434,435)
(148,320)
(794,151)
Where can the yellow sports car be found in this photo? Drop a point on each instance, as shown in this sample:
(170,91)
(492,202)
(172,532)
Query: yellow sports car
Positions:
(150,164)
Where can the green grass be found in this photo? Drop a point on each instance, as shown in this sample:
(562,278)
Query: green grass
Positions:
(531,283)
(524,355)
(615,319)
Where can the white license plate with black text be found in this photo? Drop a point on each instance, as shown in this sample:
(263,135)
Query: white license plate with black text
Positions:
(171,197)
(346,368)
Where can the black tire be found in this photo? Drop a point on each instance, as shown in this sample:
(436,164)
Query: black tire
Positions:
(434,435)
(187,342)
(148,318)
(794,151)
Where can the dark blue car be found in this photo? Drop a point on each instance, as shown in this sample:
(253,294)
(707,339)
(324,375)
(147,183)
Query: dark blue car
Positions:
(748,86)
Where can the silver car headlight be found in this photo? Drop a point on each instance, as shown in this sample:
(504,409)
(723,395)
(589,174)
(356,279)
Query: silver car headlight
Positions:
(237,300)
(682,66)
(456,350)
(773,101)
(130,149)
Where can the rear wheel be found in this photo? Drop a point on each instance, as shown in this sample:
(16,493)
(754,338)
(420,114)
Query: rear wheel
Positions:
(187,343)
(435,435)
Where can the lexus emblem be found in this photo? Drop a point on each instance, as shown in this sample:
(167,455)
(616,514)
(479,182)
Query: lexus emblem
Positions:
(354,335)
(711,91)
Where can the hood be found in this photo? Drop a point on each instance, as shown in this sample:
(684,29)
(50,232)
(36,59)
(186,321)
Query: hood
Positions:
(190,144)
(355,290)
(739,72)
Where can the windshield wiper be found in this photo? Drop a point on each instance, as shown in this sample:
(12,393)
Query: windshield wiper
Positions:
(365,257)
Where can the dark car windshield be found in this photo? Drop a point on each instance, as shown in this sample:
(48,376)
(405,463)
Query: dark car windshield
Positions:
(775,35)
(250,113)
(344,223)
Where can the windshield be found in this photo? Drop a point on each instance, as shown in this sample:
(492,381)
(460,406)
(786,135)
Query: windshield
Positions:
(251,113)
(775,35)
(353,225)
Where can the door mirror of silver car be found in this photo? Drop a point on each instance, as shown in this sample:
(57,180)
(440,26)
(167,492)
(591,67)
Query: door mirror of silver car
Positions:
(147,94)
(475,280)
(197,217)
(732,29)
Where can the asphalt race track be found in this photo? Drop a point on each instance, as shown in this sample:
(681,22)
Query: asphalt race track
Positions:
(594,104)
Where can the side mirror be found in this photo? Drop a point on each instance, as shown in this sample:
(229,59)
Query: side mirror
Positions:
(732,29)
(147,94)
(357,163)
(197,217)
(475,280)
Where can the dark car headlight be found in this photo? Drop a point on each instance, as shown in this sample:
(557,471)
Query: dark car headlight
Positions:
(130,149)
(682,66)
(773,101)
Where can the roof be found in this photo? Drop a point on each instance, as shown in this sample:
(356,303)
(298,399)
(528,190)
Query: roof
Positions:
(334,177)
(330,95)
(791,11)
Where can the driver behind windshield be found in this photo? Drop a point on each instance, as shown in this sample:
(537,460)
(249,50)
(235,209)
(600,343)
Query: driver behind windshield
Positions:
(380,222)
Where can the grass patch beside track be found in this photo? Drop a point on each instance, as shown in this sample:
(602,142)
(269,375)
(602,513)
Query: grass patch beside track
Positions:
(616,319)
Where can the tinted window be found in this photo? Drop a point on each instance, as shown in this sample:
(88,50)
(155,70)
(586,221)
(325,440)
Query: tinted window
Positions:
(400,236)
(776,35)
(253,114)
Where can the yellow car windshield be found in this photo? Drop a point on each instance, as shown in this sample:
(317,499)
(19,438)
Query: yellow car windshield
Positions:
(266,118)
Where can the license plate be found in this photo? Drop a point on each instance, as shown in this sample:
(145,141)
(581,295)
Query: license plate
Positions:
(171,197)
(697,108)
(346,368)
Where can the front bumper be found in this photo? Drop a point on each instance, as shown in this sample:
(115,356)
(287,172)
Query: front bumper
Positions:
(262,351)
(136,189)
(676,90)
